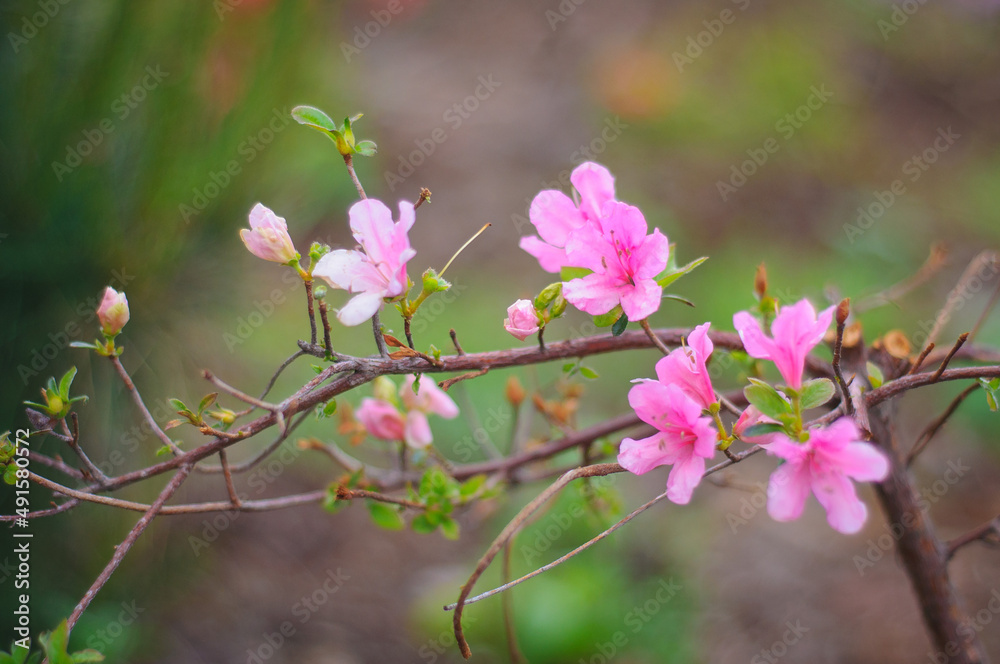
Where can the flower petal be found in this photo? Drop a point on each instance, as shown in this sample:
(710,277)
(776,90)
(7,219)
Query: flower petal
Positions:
(641,456)
(552,259)
(594,294)
(418,430)
(787,492)
(555,216)
(349,270)
(649,399)
(596,186)
(755,342)
(641,300)
(684,477)
(360,308)
(844,510)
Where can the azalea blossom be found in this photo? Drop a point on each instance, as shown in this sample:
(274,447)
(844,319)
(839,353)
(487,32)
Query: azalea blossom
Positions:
(381,419)
(749,417)
(112,312)
(429,399)
(377,271)
(556,216)
(685,438)
(825,464)
(795,331)
(522,320)
(268,237)
(685,367)
(625,262)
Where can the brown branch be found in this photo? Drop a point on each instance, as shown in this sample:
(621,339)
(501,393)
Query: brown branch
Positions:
(58,509)
(130,386)
(508,609)
(838,348)
(988,533)
(653,337)
(57,464)
(928,433)
(954,349)
(349,162)
(934,262)
(343,493)
(454,341)
(425,195)
(90,471)
(230,487)
(129,540)
(445,384)
(312,312)
(955,296)
(920,358)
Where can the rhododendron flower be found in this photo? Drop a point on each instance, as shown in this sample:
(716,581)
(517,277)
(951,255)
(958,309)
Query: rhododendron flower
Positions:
(747,419)
(795,331)
(825,465)
(268,237)
(521,321)
(377,272)
(685,367)
(112,312)
(685,437)
(625,262)
(381,419)
(556,216)
(429,399)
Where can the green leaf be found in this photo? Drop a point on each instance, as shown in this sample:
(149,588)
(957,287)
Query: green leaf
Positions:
(207,401)
(470,486)
(587,372)
(875,376)
(767,399)
(36,658)
(673,275)
(619,327)
(178,405)
(163,451)
(330,408)
(66,383)
(449,528)
(10,477)
(54,644)
(313,117)
(610,318)
(7,659)
(570,273)
(761,429)
(421,524)
(385,516)
(991,401)
(366,148)
(86,656)
(80,344)
(816,392)
(568,368)
(678,298)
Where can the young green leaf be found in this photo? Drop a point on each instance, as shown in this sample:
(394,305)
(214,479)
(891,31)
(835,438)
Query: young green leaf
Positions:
(207,401)
(816,392)
(767,399)
(678,298)
(421,524)
(673,275)
(366,148)
(385,516)
(610,318)
(449,528)
(619,327)
(66,383)
(587,372)
(875,375)
(86,656)
(313,117)
(762,429)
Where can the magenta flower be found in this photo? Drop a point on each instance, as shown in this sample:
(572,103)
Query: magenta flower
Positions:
(796,330)
(685,367)
(685,438)
(429,399)
(749,417)
(522,320)
(381,419)
(112,312)
(268,237)
(825,465)
(625,262)
(379,270)
(556,216)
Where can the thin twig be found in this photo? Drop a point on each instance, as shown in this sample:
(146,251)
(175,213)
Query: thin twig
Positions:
(653,337)
(379,339)
(508,609)
(312,313)
(935,261)
(349,162)
(838,348)
(445,384)
(284,365)
(425,195)
(957,294)
(454,341)
(234,498)
(58,509)
(91,472)
(58,464)
(920,358)
(343,493)
(326,327)
(988,533)
(263,454)
(129,540)
(954,349)
(986,312)
(130,386)
(931,430)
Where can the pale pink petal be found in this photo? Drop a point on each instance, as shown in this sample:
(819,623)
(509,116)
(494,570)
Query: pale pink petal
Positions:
(360,308)
(749,417)
(555,216)
(623,224)
(639,301)
(596,186)
(381,419)
(685,367)
(641,456)
(862,461)
(588,248)
(268,238)
(521,321)
(755,342)
(436,400)
(552,259)
(649,399)
(787,492)
(113,312)
(371,223)
(594,294)
(349,270)
(684,477)
(418,430)
(650,257)
(844,510)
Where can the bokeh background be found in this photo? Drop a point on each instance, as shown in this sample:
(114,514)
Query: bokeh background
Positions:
(120,119)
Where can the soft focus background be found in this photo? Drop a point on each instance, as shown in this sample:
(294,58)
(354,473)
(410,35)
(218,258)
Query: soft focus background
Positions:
(136,136)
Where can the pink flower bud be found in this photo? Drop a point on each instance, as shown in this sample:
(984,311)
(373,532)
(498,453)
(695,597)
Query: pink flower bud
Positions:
(521,321)
(268,237)
(113,312)
(381,419)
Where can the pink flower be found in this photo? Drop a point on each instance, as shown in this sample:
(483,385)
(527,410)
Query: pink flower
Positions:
(521,321)
(747,419)
(685,438)
(685,367)
(268,237)
(381,419)
(556,216)
(429,399)
(377,272)
(112,312)
(796,330)
(825,464)
(625,262)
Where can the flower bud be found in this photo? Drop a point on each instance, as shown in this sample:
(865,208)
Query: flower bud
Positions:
(548,294)
(113,312)
(268,236)
(522,319)
(515,391)
(432,283)
(384,389)
(843,310)
(760,282)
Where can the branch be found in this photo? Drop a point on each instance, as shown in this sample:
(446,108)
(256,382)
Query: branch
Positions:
(130,386)
(988,532)
(928,433)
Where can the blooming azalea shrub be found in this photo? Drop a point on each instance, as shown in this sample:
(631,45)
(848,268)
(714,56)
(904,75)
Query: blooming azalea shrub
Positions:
(610,265)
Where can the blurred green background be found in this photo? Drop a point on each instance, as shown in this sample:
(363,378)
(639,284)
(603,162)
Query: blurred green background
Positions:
(136,136)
